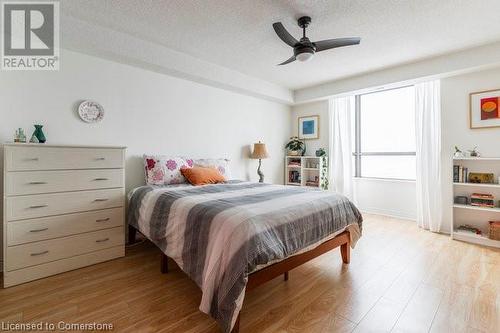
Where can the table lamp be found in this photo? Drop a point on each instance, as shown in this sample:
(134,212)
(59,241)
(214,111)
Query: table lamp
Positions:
(260,153)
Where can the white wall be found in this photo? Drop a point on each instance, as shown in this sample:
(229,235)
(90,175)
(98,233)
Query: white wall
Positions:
(386,197)
(455,126)
(89,38)
(146,111)
(311,109)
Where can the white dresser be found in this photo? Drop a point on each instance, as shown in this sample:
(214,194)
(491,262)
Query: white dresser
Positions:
(63,209)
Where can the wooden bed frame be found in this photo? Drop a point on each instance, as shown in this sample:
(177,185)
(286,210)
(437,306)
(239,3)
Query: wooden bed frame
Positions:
(268,273)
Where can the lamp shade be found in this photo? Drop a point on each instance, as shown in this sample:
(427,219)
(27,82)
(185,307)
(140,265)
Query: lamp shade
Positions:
(259,151)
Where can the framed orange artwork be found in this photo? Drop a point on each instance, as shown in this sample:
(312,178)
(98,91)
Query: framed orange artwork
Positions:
(484,109)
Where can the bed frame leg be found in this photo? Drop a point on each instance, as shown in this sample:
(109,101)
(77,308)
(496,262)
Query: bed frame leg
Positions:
(132,232)
(236,327)
(345,251)
(285,276)
(164,264)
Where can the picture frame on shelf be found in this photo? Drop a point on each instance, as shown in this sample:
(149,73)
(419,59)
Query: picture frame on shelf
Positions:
(308,127)
(484,109)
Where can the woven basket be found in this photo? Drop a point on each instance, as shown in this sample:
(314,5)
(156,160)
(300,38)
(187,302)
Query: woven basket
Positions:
(495,230)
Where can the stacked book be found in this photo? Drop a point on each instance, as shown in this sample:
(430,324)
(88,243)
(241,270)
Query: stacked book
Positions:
(460,174)
(482,200)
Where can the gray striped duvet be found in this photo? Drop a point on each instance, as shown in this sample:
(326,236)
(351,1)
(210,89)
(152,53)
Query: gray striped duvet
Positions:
(219,234)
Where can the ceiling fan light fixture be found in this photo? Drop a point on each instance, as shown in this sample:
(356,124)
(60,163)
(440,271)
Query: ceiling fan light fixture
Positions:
(304,49)
(304,56)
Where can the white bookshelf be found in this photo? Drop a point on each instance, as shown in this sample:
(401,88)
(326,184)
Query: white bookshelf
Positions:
(477,185)
(308,169)
(476,216)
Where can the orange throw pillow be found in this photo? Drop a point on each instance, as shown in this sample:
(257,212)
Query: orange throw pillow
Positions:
(202,176)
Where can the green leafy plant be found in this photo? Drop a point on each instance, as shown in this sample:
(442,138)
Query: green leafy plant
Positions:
(324,171)
(294,144)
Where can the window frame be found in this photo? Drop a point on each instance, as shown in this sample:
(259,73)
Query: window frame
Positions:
(358,154)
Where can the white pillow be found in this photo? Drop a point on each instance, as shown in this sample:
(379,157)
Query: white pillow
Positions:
(165,170)
(221,164)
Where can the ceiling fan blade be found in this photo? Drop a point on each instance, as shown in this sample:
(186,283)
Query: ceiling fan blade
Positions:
(284,35)
(288,61)
(337,42)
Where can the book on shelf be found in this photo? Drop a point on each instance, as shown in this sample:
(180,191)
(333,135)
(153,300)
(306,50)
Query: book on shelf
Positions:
(460,174)
(455,173)
(294,176)
(482,200)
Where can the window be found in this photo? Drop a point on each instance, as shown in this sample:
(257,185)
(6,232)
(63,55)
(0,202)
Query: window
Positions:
(385,134)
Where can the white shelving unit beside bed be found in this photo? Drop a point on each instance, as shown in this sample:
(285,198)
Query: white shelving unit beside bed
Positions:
(476,216)
(303,171)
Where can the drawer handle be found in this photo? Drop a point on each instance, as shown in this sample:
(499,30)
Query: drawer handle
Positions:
(38,230)
(99,200)
(103,220)
(32,159)
(39,206)
(39,253)
(101,179)
(100,158)
(102,240)
(37,183)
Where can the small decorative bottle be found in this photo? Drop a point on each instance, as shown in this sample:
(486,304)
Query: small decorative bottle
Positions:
(21,137)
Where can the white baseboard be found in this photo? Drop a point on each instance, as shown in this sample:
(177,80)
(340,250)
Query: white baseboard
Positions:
(388,212)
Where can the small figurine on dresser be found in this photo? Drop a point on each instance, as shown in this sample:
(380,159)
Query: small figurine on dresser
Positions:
(20,137)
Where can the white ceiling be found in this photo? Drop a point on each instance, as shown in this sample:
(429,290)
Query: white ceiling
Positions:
(237,34)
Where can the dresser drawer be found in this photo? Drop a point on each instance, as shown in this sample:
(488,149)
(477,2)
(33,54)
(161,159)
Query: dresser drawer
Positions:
(40,205)
(55,267)
(34,182)
(53,158)
(20,256)
(33,230)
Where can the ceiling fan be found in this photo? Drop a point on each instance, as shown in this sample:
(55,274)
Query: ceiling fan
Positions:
(304,49)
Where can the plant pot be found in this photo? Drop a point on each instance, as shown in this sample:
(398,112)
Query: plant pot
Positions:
(294,153)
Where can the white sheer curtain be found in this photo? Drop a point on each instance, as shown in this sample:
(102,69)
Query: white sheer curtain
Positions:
(340,114)
(428,132)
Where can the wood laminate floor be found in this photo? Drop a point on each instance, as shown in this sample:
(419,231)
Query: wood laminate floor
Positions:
(401,279)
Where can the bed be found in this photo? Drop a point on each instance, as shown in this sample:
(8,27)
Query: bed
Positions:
(231,237)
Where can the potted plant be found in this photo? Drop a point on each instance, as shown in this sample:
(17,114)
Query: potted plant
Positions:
(320,152)
(295,147)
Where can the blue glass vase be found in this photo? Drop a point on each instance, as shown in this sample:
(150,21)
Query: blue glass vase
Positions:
(39,134)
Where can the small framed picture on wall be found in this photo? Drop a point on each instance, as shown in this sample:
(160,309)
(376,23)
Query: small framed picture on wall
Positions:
(309,127)
(484,109)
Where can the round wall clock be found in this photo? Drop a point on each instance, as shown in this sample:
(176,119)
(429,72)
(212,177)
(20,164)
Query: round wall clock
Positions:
(90,111)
